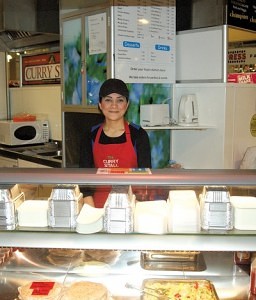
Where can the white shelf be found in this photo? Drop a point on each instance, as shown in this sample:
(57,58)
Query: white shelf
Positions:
(175,242)
(179,127)
(212,240)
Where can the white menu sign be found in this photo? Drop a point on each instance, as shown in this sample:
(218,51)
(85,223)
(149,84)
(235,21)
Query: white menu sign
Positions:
(144,35)
(97,33)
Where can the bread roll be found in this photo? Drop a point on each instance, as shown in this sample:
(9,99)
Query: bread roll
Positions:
(106,256)
(86,290)
(62,257)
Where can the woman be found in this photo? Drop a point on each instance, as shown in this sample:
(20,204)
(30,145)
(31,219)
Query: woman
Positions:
(115,143)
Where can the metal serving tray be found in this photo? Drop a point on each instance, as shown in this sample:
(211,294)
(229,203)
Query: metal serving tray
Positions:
(172,261)
(164,289)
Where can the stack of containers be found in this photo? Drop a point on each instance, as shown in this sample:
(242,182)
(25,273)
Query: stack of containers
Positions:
(151,217)
(244,212)
(216,208)
(33,213)
(184,213)
(64,205)
(10,199)
(119,210)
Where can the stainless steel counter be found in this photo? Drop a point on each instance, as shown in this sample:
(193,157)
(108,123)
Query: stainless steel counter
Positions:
(45,154)
(230,281)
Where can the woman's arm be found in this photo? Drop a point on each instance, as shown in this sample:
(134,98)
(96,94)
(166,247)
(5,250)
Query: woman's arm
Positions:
(86,154)
(142,145)
(86,161)
(89,200)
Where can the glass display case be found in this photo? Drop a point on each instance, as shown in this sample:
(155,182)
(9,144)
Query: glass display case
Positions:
(128,259)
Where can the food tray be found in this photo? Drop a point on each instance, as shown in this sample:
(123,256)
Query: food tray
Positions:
(10,199)
(216,194)
(171,255)
(172,261)
(169,289)
(64,212)
(65,192)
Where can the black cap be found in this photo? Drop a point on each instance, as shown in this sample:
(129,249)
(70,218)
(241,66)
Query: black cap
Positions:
(113,85)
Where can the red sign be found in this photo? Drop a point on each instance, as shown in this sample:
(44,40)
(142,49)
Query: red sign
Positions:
(242,77)
(41,69)
(41,288)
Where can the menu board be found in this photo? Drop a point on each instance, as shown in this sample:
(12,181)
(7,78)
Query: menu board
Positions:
(97,33)
(242,13)
(144,35)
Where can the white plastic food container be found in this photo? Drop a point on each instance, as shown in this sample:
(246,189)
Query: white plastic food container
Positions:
(90,219)
(244,212)
(151,217)
(33,213)
(184,211)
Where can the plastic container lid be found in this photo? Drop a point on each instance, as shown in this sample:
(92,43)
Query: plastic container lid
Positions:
(243,202)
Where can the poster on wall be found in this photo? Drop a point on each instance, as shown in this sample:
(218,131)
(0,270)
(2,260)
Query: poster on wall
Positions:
(41,69)
(97,33)
(242,14)
(144,35)
(95,55)
(242,65)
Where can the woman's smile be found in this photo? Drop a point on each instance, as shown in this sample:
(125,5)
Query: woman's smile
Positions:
(114,105)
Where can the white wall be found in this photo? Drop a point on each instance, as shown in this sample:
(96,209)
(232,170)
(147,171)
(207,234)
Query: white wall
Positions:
(44,101)
(199,55)
(229,109)
(243,110)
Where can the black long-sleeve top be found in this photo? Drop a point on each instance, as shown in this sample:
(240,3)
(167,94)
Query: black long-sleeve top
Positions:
(139,139)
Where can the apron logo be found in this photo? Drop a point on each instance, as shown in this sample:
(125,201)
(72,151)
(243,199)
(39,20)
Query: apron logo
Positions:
(111,162)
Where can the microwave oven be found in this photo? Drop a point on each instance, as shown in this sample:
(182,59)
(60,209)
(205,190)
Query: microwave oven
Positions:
(23,133)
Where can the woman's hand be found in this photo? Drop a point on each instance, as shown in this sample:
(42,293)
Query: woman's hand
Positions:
(89,200)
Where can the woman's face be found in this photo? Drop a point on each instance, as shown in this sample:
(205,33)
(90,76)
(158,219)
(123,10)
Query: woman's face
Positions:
(113,106)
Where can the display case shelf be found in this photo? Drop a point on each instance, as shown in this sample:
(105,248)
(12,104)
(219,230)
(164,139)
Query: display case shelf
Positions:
(174,242)
(212,240)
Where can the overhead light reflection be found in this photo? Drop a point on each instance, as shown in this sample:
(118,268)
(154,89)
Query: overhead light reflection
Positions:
(143,21)
(22,257)
(9,57)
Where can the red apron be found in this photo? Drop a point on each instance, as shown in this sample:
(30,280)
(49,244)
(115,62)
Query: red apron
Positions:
(112,156)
